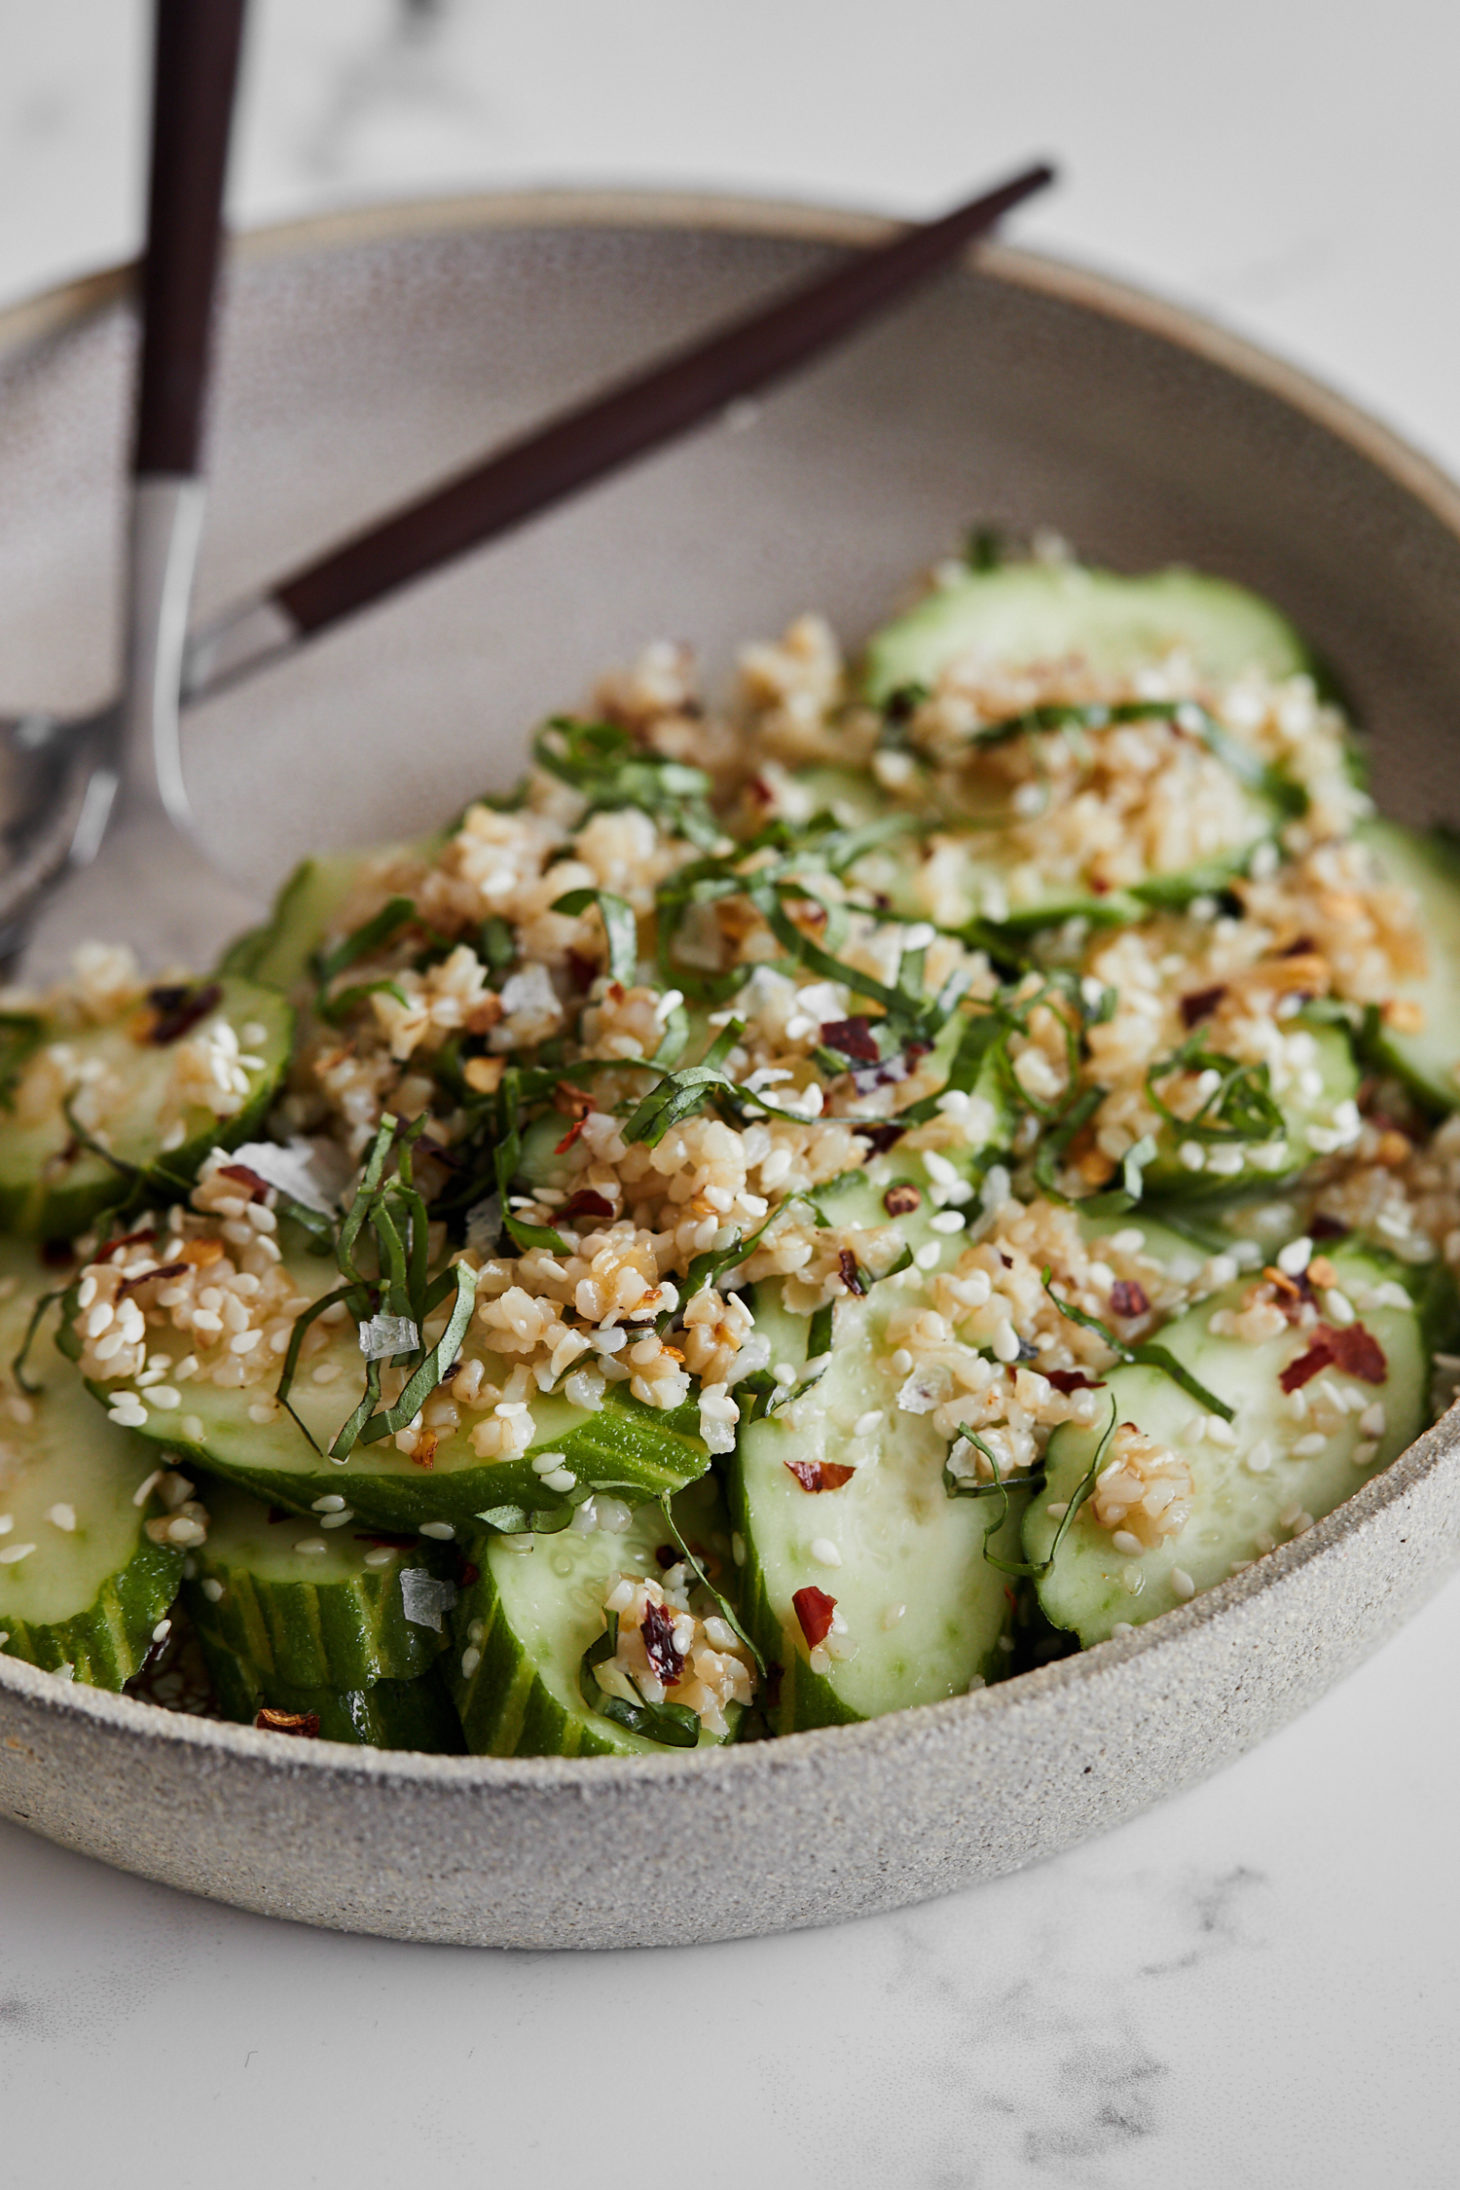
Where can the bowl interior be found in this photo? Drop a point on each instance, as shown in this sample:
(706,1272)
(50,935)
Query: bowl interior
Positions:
(361,360)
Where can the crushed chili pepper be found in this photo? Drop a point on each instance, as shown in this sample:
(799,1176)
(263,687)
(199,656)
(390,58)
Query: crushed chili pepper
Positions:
(177,1010)
(258,1189)
(1353,1350)
(880,1138)
(851,1275)
(145,1277)
(1322,1227)
(852,1038)
(657,1629)
(573,1102)
(821,1474)
(1127,1298)
(585,1203)
(813,1608)
(561,1147)
(127,1239)
(1199,1004)
(1072,1380)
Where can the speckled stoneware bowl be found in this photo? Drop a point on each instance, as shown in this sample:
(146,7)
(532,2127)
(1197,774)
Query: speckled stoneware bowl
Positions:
(362,356)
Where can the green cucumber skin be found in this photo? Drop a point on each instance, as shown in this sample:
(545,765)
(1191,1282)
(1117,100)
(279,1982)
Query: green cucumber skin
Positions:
(1085,1589)
(60,1208)
(346,1631)
(516,1702)
(415,1714)
(1026,612)
(108,1641)
(635,1452)
(1428,1062)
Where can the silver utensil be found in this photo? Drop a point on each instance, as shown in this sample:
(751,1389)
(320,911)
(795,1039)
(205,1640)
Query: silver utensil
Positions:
(107,794)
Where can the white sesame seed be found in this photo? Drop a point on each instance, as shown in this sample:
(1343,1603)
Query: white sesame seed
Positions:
(866,1423)
(380,1556)
(212,1588)
(1182,1584)
(1129,1546)
(161,1631)
(442,1531)
(1294,1259)
(947,1220)
(310,1547)
(62,1517)
(331,1503)
(14,1553)
(1192,1155)
(471,1658)
(927,1255)
(823,1551)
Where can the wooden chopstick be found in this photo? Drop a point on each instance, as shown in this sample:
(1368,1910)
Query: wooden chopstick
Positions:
(636,415)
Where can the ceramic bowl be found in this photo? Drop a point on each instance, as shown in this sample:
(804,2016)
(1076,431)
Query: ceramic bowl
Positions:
(361,357)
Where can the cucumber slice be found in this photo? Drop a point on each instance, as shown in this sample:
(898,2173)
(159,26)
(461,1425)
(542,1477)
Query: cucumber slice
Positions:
(634,1451)
(526,1621)
(1233,1167)
(416,1714)
(1237,1509)
(1428,1057)
(925,1614)
(304,912)
(93,1585)
(1027,613)
(330,1615)
(53,1187)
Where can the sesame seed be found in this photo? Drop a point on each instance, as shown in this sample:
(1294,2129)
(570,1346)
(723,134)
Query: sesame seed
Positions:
(947,1220)
(212,1588)
(442,1531)
(310,1547)
(380,1556)
(331,1503)
(161,1631)
(1182,1584)
(1294,1259)
(14,1553)
(471,1658)
(62,1517)
(825,1552)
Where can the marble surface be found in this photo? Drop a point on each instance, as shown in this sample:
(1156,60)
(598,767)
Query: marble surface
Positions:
(1258,1983)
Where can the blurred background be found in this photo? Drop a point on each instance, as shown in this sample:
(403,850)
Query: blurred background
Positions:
(1294,169)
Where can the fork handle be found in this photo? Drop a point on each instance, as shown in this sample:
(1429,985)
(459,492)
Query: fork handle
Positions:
(195,68)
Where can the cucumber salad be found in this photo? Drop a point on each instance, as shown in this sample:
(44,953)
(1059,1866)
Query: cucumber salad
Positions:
(809,1205)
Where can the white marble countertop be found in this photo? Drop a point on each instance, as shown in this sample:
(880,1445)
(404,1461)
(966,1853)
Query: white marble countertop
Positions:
(1259,1983)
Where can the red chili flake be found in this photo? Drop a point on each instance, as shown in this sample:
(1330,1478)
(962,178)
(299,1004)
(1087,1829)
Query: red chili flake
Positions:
(470,1572)
(568,1138)
(814,1609)
(821,1474)
(1300,946)
(1128,1299)
(1353,1350)
(57,1254)
(585,1203)
(1321,1227)
(582,970)
(880,1137)
(853,1038)
(1201,1003)
(887,1071)
(176,1011)
(128,1239)
(1098,885)
(1072,1380)
(665,1556)
(573,1102)
(258,1189)
(145,1277)
(657,1629)
(288,1722)
(851,1275)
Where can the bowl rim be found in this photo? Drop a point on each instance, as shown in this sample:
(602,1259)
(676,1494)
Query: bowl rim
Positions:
(37,320)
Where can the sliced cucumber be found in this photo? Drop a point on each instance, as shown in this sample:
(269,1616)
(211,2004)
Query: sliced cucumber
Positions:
(1023,614)
(631,1450)
(304,912)
(924,1612)
(523,1626)
(1232,1167)
(1426,1055)
(82,1583)
(322,1607)
(416,1714)
(52,1186)
(1255,1479)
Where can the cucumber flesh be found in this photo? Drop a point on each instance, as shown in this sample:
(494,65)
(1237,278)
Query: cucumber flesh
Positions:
(523,1626)
(51,1186)
(1233,1167)
(415,1714)
(333,1614)
(1025,614)
(634,1451)
(306,910)
(925,1613)
(1238,1509)
(94,1585)
(1427,1058)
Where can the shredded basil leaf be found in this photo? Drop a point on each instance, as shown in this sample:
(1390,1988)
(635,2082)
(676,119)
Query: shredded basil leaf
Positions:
(1148,1355)
(673,1725)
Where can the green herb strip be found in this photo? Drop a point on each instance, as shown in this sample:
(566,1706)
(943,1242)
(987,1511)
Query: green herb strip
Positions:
(620,929)
(1032,1569)
(673,1725)
(1148,1355)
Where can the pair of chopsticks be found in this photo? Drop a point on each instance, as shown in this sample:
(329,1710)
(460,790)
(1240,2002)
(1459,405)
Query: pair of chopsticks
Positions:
(586,443)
